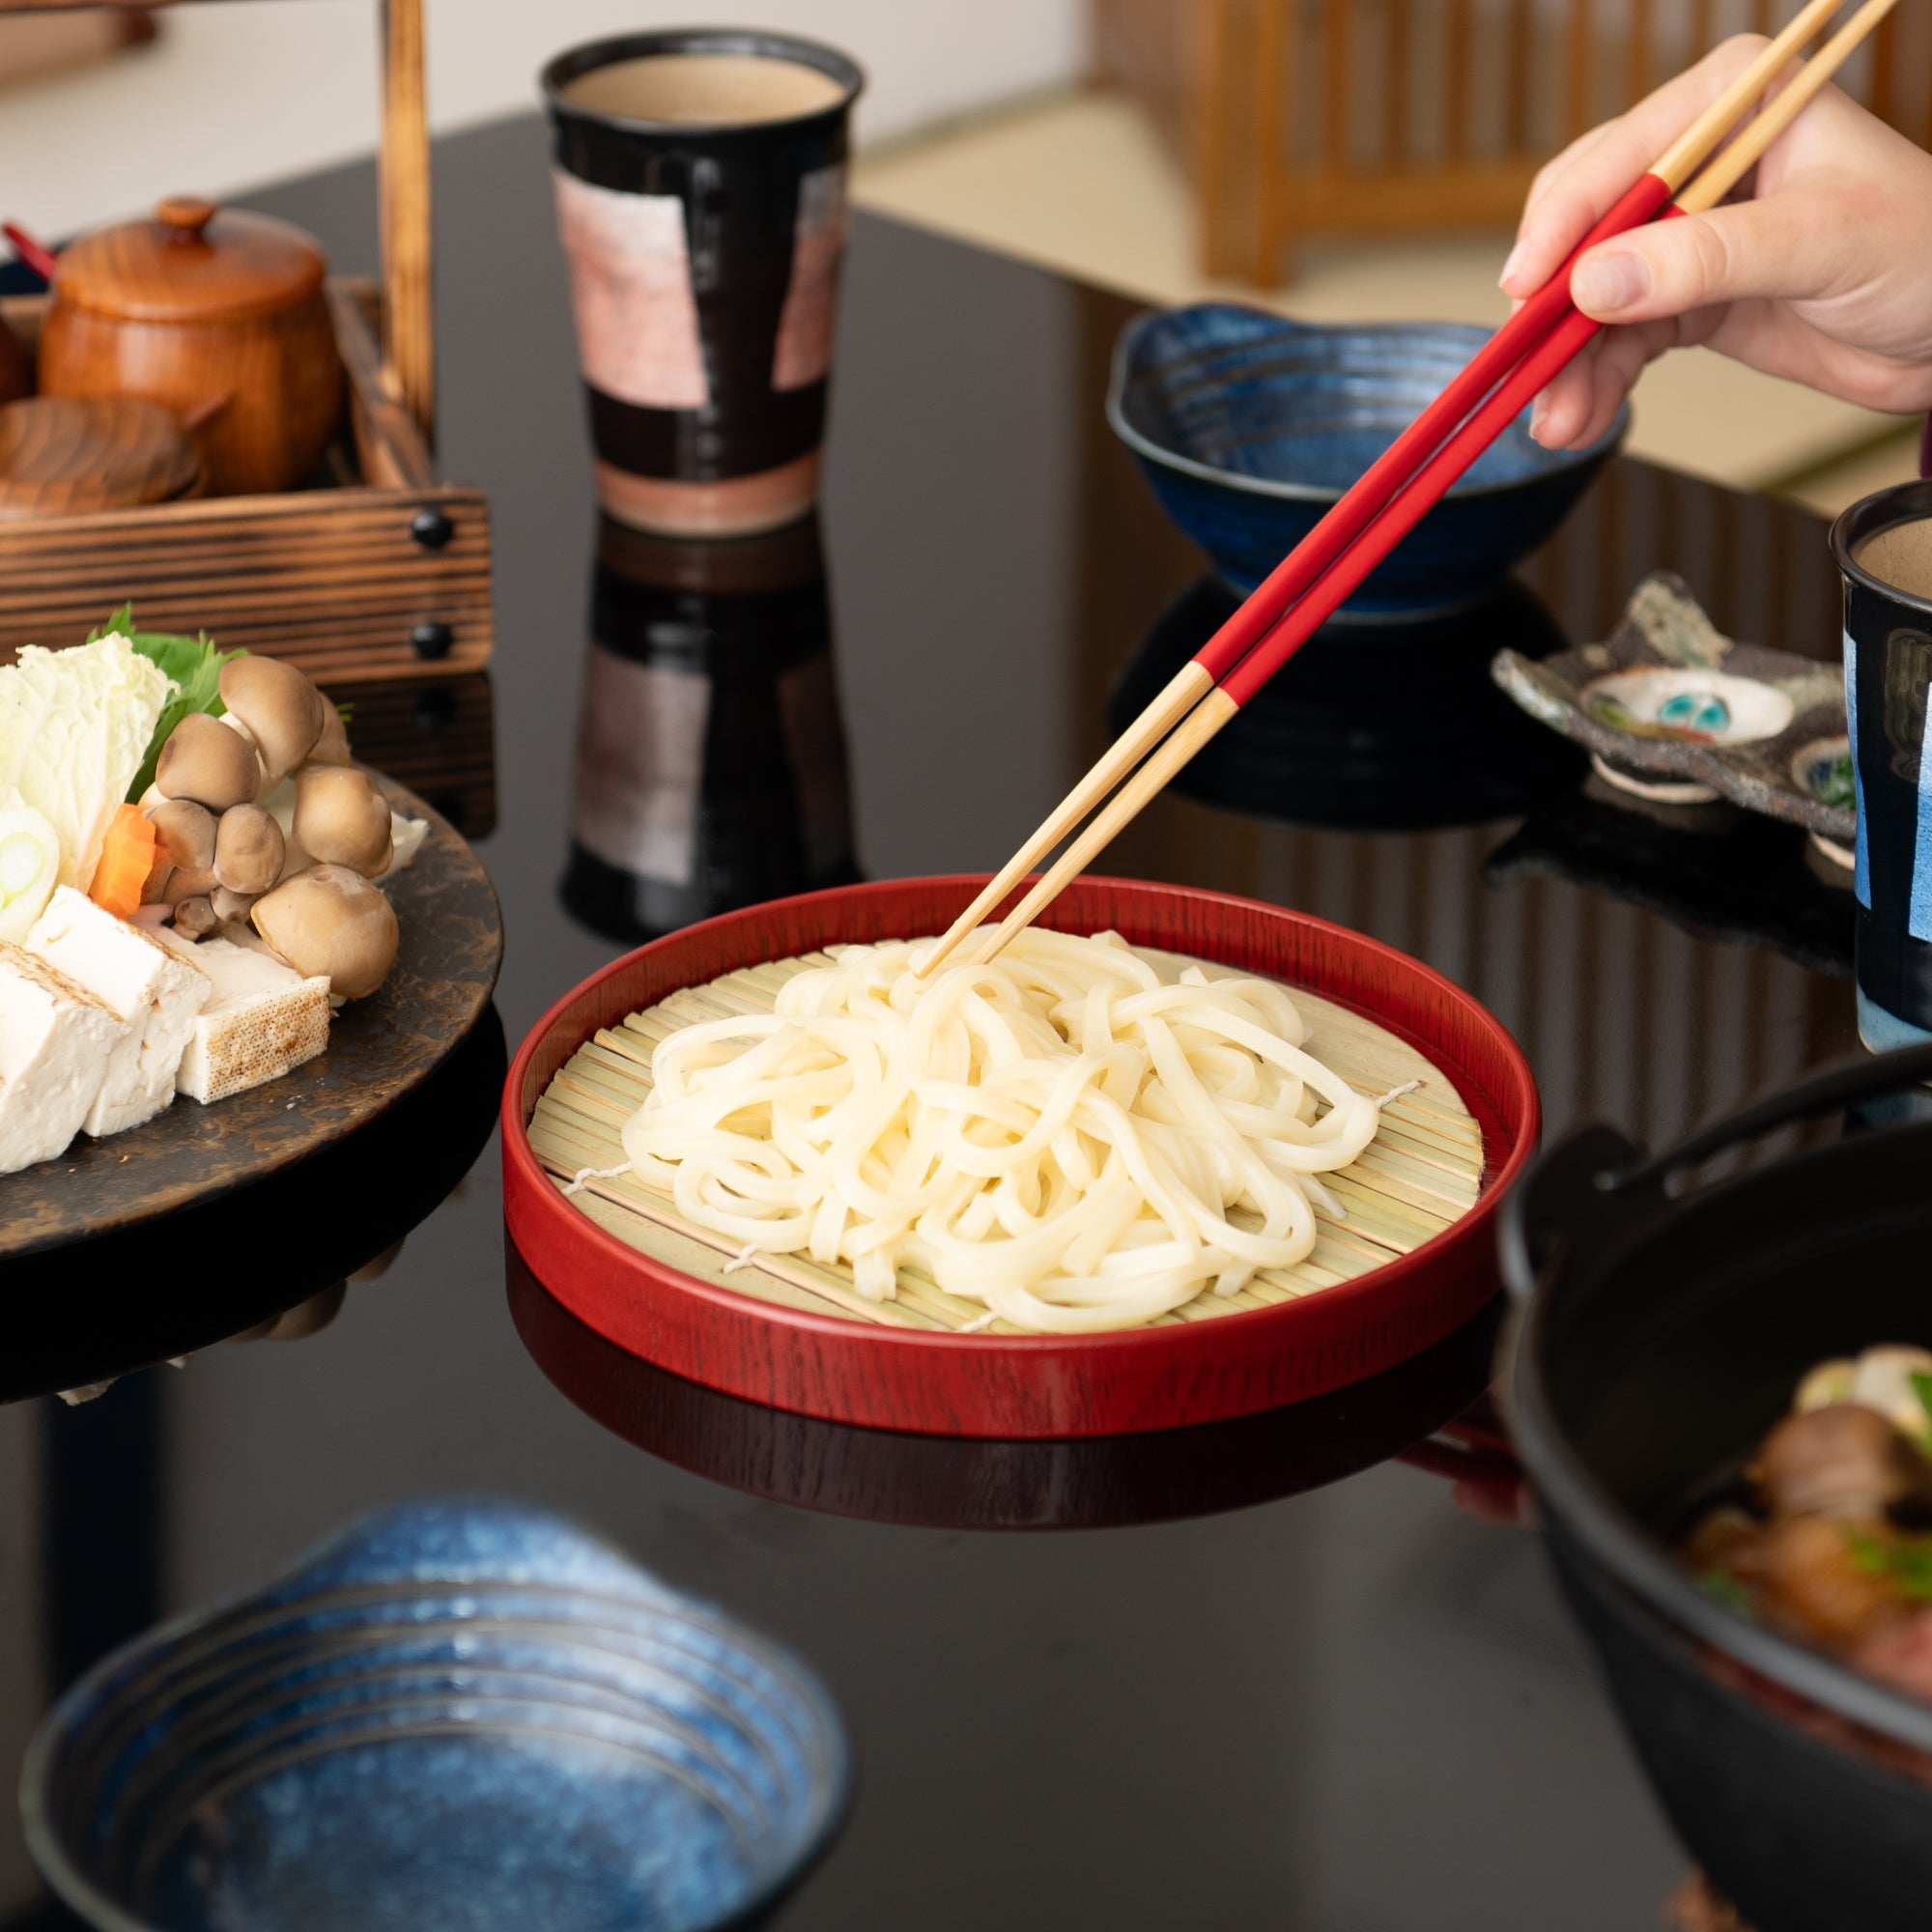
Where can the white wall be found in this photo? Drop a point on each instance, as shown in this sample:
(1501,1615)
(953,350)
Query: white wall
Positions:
(235,95)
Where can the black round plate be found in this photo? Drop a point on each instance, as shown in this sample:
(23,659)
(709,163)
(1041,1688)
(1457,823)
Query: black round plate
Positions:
(378,1049)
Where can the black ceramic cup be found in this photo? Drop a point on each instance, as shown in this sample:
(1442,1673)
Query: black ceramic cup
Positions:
(701,193)
(1883,546)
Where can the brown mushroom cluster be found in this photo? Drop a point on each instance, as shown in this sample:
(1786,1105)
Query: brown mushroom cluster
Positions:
(267,827)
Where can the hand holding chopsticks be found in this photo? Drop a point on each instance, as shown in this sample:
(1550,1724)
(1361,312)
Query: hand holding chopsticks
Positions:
(1372,517)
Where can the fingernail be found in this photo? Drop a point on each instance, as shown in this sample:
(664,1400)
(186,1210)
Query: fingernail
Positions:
(1603,284)
(1515,262)
(1538,417)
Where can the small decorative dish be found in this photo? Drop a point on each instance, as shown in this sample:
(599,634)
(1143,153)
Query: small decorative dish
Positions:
(1250,427)
(1821,770)
(1411,1260)
(460,1713)
(1673,711)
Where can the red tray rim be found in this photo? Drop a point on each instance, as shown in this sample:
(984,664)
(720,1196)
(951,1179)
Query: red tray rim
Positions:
(531,1200)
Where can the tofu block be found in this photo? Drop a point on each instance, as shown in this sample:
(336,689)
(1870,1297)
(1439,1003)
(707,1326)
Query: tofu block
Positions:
(263,1020)
(153,988)
(56,1040)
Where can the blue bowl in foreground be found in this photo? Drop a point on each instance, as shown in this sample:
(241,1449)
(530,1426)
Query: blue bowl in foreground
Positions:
(456,1715)
(1250,427)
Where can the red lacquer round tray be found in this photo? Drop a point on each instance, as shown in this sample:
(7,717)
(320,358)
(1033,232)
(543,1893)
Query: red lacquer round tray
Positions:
(1029,1386)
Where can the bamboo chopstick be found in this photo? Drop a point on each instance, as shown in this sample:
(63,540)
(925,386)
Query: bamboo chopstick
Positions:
(1359,506)
(1402,510)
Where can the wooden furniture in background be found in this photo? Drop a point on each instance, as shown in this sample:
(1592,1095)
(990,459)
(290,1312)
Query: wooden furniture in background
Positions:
(50,44)
(378,568)
(1307,117)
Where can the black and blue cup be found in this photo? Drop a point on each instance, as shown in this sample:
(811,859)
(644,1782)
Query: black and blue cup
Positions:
(701,203)
(1883,546)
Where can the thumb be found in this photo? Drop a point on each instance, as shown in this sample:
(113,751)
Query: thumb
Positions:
(1786,248)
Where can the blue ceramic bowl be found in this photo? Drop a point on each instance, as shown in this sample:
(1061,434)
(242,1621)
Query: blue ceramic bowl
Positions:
(1249,427)
(457,1715)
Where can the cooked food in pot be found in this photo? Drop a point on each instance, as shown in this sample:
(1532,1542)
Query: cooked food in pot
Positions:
(1826,1534)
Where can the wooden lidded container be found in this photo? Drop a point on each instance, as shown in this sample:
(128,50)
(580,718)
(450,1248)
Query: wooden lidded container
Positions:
(218,315)
(378,568)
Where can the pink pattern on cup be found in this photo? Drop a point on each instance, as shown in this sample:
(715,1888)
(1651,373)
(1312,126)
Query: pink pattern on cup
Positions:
(631,292)
(803,352)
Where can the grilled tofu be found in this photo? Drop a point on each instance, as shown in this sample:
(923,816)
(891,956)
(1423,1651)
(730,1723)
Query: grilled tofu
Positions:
(148,985)
(263,1020)
(56,1041)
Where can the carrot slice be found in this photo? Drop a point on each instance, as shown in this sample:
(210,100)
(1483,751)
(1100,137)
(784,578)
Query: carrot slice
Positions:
(127,859)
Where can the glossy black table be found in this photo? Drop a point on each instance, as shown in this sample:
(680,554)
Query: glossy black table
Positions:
(1352,1706)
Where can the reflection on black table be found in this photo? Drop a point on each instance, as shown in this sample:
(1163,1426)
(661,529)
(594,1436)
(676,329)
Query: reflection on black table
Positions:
(1370,726)
(710,767)
(1711,869)
(78,1316)
(1354,1707)
(946,1482)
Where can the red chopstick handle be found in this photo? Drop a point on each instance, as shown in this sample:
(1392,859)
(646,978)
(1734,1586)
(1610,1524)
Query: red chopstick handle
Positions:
(1350,517)
(39,259)
(1521,387)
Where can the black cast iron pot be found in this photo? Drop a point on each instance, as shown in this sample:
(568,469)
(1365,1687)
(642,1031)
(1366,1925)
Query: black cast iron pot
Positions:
(1657,1337)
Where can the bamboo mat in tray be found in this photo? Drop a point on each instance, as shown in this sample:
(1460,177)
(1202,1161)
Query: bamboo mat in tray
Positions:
(1422,1171)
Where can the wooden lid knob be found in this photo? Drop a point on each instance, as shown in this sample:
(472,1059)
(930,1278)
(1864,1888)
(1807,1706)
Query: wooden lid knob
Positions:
(191,262)
(186,215)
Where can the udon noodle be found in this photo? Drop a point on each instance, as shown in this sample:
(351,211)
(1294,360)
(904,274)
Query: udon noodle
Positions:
(1060,1135)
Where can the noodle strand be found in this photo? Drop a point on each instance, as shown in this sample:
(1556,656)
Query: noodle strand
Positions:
(1059,1134)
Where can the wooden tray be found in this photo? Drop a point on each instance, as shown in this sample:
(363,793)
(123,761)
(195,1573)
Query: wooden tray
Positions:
(380,570)
(378,1049)
(798,1347)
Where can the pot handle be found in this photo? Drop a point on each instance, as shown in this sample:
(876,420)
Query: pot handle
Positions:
(1865,1079)
(1562,1201)
(1595,1186)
